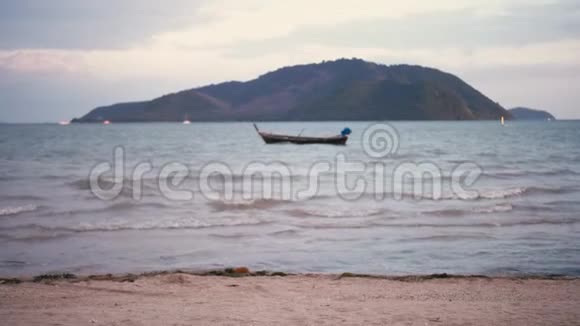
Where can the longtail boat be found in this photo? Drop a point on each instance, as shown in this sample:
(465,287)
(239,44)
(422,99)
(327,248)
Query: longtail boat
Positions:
(270,138)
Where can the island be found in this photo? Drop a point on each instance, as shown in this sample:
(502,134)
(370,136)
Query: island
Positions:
(344,89)
(521,113)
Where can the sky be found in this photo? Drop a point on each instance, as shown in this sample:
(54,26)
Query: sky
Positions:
(61,58)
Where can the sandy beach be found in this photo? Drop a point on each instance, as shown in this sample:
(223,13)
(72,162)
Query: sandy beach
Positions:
(185,299)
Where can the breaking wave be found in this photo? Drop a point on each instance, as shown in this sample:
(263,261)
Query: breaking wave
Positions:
(521,173)
(112,208)
(489,194)
(152,225)
(503,207)
(221,205)
(520,191)
(8,211)
(466,225)
(335,213)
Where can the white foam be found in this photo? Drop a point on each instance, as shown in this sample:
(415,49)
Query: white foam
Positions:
(7,211)
(503,193)
(505,207)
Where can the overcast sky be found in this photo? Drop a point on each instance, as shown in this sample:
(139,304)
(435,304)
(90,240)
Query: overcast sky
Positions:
(61,58)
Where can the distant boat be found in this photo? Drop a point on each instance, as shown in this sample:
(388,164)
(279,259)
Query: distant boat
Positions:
(186,122)
(276,138)
(106,122)
(64,123)
(502,120)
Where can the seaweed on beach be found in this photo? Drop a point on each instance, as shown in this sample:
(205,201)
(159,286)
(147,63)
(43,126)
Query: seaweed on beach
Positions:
(239,272)
(245,272)
(53,277)
(411,278)
(8,281)
(230,272)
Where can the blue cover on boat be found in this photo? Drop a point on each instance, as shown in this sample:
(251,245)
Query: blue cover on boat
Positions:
(345,131)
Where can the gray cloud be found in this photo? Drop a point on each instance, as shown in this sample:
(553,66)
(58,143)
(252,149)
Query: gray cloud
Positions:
(74,24)
(519,25)
(546,87)
(52,97)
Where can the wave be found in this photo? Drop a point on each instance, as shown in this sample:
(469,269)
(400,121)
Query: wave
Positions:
(497,208)
(542,221)
(537,208)
(8,211)
(467,225)
(106,182)
(522,173)
(494,209)
(163,225)
(289,232)
(448,237)
(333,213)
(12,263)
(504,174)
(85,184)
(33,177)
(51,177)
(491,194)
(221,205)
(503,207)
(228,236)
(436,151)
(114,207)
(405,156)
(448,212)
(124,205)
(557,172)
(482,194)
(20,197)
(564,203)
(519,191)
(502,193)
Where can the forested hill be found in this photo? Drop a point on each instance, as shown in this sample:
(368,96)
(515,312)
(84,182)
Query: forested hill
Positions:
(345,89)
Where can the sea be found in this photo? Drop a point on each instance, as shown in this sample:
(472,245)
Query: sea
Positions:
(400,198)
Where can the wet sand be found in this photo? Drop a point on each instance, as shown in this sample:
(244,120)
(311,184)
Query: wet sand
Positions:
(185,299)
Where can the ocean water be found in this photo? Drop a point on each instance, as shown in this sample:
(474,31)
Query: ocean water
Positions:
(518,213)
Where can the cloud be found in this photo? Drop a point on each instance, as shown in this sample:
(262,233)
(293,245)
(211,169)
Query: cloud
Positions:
(42,61)
(547,87)
(51,97)
(74,24)
(468,28)
(254,20)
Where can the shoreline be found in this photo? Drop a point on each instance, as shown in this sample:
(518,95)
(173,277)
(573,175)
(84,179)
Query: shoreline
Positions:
(238,272)
(183,298)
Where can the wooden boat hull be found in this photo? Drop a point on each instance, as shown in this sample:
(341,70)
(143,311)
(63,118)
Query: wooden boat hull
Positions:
(276,139)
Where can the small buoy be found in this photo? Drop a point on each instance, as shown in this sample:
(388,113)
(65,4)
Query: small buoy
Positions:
(502,120)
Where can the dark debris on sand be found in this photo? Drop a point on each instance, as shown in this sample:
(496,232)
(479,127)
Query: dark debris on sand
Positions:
(245,272)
